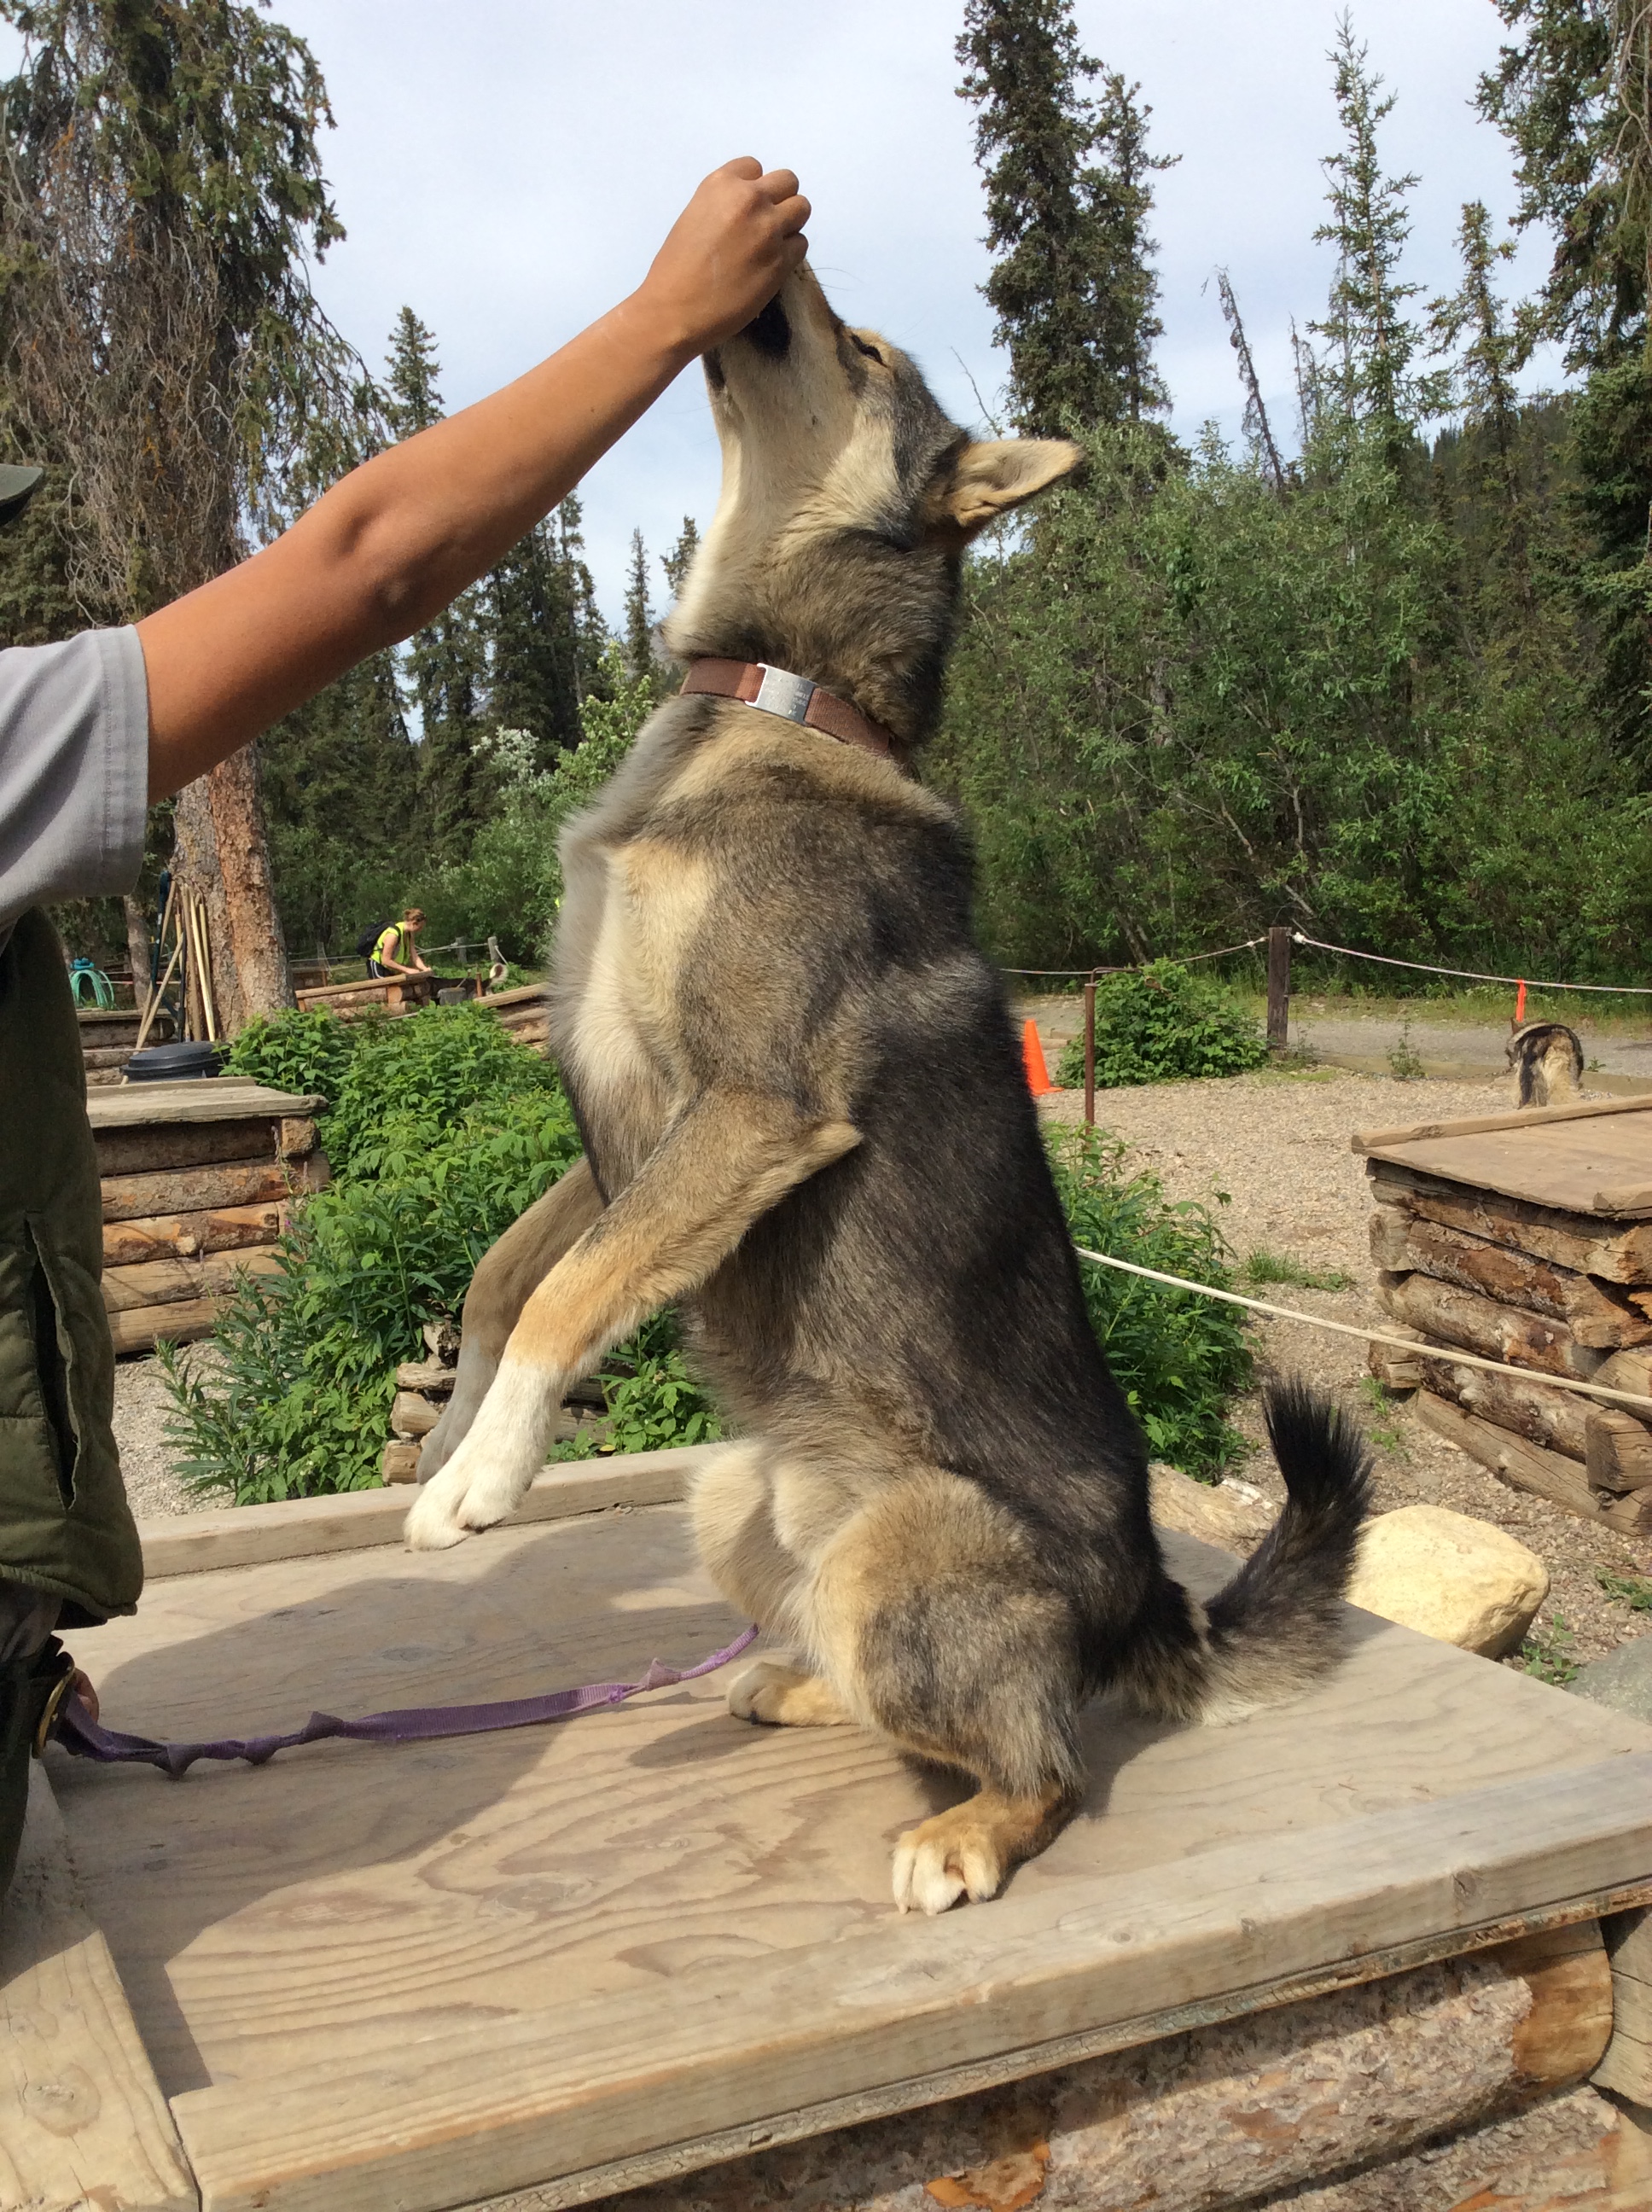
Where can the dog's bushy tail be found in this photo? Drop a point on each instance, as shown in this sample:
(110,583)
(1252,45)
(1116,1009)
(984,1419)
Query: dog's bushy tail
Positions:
(1277,1624)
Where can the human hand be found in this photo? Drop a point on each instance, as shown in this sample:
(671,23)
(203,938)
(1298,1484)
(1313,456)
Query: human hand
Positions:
(727,254)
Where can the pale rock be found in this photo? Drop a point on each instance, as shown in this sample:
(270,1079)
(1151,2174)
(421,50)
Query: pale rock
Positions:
(1450,1577)
(1229,1514)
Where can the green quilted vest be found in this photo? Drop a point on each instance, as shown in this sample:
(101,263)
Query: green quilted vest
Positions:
(64,1523)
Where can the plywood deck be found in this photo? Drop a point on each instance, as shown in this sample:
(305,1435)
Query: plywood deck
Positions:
(420,1975)
(209,1098)
(1594,1158)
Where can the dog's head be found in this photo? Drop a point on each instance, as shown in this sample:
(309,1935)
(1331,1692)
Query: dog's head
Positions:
(847,499)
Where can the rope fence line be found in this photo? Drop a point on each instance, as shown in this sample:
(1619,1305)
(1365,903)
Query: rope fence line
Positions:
(1470,975)
(1410,1345)
(1345,953)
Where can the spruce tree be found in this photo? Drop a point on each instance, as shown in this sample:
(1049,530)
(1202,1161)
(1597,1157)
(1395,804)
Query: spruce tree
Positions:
(591,639)
(1069,193)
(159,200)
(1472,324)
(1372,340)
(677,563)
(446,662)
(640,659)
(532,617)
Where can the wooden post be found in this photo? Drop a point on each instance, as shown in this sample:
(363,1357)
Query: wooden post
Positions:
(1278,988)
(1089,1053)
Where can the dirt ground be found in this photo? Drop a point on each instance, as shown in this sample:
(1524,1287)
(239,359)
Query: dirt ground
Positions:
(1277,1144)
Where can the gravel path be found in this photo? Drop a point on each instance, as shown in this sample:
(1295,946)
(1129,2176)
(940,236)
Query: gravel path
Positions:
(1277,1144)
(142,1407)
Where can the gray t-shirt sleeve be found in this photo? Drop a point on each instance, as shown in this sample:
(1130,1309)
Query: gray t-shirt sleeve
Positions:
(74,769)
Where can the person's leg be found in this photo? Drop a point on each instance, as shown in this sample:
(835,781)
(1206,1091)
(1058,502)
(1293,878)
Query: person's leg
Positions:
(31,1661)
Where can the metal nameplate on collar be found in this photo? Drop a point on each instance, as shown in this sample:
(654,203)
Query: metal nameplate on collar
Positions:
(781,693)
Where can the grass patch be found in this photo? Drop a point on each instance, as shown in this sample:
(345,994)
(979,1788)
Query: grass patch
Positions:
(1404,1061)
(1632,1590)
(1548,1653)
(1262,1266)
(1383,1432)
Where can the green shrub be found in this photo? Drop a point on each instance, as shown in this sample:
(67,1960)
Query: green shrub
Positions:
(1158,1024)
(1178,1357)
(409,1080)
(299,1401)
(301,1052)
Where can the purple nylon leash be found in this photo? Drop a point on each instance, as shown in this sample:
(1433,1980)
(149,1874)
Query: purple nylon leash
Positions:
(76,1731)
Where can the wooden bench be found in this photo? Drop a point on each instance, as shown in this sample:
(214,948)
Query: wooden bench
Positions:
(568,1961)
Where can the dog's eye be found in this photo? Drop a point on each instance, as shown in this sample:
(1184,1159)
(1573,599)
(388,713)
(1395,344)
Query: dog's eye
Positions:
(861,346)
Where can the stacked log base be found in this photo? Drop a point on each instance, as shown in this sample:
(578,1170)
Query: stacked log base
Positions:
(1536,1287)
(198,1180)
(423,1389)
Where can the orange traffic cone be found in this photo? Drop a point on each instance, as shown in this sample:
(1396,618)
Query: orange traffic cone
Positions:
(1032,1059)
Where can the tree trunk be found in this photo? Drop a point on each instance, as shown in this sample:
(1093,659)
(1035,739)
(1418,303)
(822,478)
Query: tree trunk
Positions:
(221,856)
(138,952)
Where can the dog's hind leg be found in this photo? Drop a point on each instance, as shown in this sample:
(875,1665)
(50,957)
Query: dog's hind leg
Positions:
(733,1505)
(940,1629)
(723,1161)
(510,1272)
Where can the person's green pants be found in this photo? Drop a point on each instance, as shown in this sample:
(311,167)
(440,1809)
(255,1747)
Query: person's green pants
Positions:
(68,1546)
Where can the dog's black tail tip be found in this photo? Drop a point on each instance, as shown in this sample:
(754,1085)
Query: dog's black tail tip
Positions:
(1324,1460)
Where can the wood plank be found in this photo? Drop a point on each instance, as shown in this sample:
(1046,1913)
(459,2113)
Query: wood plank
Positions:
(1593,1167)
(190,1236)
(1353,2077)
(1626,2066)
(185,1320)
(1481,1325)
(259,1182)
(538,2097)
(1570,1240)
(211,1098)
(1475,1125)
(1523,1465)
(82,2121)
(361,1520)
(173,1147)
(160,1282)
(1596,1315)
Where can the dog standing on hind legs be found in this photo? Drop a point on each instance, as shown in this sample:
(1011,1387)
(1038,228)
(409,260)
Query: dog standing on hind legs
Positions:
(805,1123)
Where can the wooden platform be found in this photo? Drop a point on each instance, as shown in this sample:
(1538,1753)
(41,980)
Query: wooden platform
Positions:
(587,1955)
(1593,1159)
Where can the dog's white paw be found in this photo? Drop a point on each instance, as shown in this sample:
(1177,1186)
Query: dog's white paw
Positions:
(944,1859)
(432,1525)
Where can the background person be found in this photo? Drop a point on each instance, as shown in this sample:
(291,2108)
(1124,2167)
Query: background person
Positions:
(397,946)
(93,729)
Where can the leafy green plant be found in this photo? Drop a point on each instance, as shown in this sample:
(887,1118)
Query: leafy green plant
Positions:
(1632,1590)
(1404,1061)
(1160,1022)
(301,1052)
(1548,1653)
(408,1082)
(1262,1266)
(299,1400)
(1178,1357)
(1382,1429)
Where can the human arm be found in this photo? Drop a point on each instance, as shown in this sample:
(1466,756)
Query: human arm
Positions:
(397,539)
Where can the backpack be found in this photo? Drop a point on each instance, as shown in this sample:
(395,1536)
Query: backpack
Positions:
(369,938)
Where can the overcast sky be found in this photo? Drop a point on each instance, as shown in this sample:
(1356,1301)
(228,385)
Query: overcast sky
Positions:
(506,168)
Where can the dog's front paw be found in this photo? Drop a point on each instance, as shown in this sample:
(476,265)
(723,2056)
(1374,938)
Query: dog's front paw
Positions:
(432,1525)
(782,1697)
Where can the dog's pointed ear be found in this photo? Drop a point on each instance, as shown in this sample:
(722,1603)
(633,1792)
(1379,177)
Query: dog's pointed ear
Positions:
(988,479)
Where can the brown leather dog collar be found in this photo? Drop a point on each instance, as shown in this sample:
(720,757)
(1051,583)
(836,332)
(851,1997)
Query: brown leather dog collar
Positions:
(793,698)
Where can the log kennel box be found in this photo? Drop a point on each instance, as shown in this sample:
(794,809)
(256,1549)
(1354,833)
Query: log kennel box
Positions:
(652,1948)
(1526,1238)
(197,1178)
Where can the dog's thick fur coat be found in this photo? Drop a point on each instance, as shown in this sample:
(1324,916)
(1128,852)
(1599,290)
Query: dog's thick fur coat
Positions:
(806,1120)
(1545,1064)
